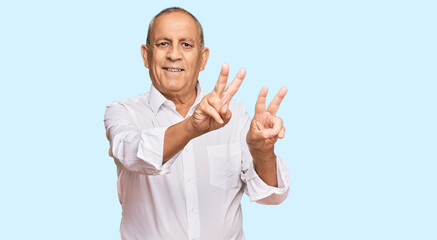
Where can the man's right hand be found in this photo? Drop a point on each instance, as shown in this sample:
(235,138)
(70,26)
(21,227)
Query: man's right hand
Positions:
(213,110)
(211,113)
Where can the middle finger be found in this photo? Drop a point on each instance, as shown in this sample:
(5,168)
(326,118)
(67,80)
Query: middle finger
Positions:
(234,86)
(222,80)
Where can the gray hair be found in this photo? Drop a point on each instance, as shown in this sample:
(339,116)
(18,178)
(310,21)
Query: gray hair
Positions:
(174,9)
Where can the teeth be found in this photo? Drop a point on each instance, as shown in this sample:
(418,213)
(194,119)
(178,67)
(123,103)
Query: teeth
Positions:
(173,70)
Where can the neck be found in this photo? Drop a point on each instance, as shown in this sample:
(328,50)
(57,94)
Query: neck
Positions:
(183,102)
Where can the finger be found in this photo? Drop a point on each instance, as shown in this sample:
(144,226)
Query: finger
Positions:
(267,133)
(274,105)
(224,110)
(277,126)
(214,114)
(274,131)
(226,113)
(260,105)
(282,133)
(227,116)
(222,80)
(215,102)
(234,85)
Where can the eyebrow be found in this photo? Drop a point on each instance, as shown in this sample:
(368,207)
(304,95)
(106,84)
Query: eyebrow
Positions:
(164,38)
(180,40)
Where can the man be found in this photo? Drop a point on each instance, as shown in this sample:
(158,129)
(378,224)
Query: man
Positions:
(183,157)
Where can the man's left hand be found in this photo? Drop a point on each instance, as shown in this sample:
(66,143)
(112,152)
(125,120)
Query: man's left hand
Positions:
(265,129)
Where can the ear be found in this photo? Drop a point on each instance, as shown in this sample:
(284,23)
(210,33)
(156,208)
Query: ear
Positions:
(204,55)
(145,54)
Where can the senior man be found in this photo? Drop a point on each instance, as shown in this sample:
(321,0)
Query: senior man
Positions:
(183,157)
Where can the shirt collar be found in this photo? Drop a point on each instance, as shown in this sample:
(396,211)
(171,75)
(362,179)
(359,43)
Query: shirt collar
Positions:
(156,99)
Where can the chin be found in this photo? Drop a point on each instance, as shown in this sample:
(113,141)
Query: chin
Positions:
(171,88)
(174,86)
(177,84)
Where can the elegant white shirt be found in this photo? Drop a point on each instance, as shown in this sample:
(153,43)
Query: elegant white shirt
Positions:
(197,193)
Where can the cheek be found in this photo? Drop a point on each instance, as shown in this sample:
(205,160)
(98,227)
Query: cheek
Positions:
(196,61)
(193,57)
(155,59)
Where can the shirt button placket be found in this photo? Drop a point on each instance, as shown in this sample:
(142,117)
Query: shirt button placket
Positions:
(191,192)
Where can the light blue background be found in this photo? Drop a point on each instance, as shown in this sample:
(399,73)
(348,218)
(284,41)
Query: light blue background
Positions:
(360,113)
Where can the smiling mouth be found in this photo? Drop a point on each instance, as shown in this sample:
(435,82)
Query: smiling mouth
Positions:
(173,69)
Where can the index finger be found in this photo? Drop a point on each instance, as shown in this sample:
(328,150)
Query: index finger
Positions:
(260,105)
(274,105)
(234,86)
(222,80)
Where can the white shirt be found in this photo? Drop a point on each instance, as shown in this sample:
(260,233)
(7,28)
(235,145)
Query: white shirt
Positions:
(197,193)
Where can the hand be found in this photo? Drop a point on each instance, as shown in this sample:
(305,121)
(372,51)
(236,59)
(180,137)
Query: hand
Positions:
(213,110)
(266,127)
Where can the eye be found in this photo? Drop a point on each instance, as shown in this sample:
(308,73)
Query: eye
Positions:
(186,45)
(162,44)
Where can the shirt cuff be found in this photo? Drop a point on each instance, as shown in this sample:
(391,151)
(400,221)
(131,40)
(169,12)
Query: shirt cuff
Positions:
(151,149)
(262,193)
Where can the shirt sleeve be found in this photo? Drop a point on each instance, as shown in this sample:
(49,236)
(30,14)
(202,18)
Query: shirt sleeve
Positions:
(257,190)
(139,151)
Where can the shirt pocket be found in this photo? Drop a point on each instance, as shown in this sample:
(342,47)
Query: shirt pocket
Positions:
(224,165)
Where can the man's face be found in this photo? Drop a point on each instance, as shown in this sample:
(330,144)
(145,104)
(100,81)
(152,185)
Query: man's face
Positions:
(175,56)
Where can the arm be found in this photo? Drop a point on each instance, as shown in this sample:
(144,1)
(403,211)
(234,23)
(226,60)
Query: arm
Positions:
(265,129)
(152,151)
(137,150)
(257,187)
(176,137)
(212,113)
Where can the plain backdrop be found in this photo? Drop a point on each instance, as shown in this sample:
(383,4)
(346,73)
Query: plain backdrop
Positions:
(360,113)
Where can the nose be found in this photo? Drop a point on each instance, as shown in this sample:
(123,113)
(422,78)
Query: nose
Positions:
(174,53)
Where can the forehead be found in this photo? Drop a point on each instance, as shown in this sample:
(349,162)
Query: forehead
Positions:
(175,25)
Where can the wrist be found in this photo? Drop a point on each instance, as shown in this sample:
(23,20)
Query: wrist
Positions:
(265,167)
(262,150)
(263,155)
(190,128)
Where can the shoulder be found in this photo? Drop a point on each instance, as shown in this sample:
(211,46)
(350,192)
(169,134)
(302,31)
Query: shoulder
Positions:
(131,106)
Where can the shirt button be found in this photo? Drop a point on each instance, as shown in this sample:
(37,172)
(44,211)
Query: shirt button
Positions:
(186,150)
(189,180)
(192,209)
